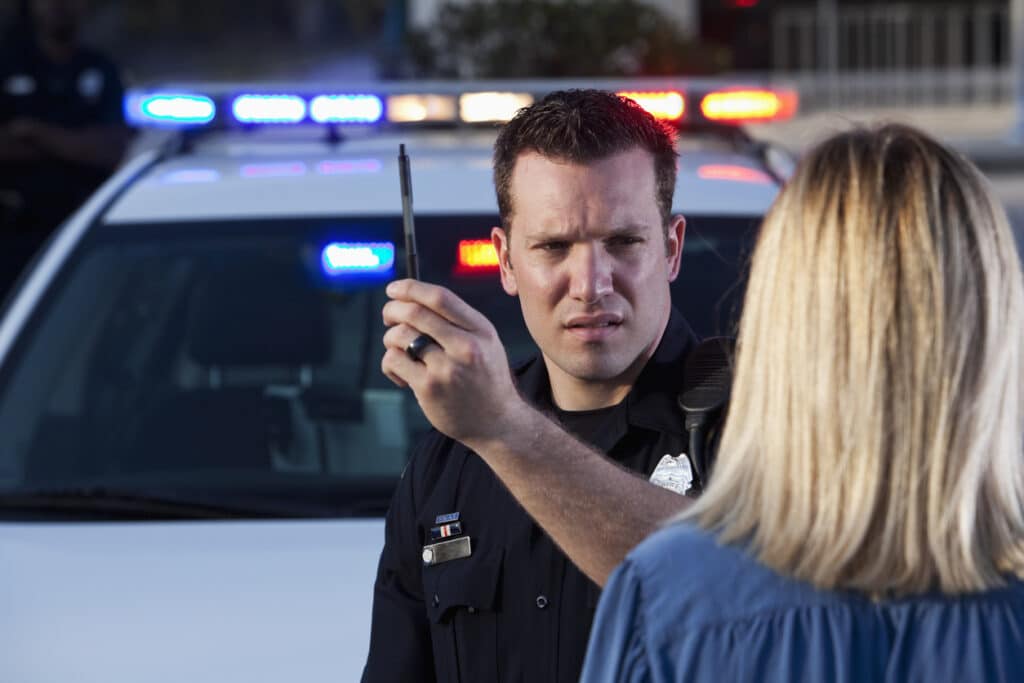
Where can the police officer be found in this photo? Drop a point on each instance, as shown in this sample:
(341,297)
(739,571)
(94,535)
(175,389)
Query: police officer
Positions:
(61,124)
(470,587)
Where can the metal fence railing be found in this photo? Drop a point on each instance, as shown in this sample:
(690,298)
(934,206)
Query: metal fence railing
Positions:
(896,54)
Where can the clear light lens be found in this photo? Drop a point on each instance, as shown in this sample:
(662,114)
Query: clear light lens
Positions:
(269,109)
(483,107)
(346,109)
(416,108)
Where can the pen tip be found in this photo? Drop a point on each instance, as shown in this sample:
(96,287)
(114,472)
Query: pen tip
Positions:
(401,149)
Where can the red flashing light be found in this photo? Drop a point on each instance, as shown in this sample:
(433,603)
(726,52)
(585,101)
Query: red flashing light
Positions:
(738,106)
(667,105)
(477,256)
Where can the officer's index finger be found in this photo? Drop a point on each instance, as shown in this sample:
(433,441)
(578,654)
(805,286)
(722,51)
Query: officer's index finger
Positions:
(441,301)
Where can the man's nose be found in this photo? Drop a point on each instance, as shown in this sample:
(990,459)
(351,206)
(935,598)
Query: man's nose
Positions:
(590,274)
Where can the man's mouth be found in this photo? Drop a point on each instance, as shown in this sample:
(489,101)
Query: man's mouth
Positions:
(593,327)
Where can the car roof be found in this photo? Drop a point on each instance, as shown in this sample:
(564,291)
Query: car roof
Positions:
(298,173)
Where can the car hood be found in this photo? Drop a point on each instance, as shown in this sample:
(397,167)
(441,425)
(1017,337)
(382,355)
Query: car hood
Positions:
(187,601)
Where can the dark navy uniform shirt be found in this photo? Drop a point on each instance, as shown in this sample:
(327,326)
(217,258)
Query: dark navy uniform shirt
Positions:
(85,91)
(516,609)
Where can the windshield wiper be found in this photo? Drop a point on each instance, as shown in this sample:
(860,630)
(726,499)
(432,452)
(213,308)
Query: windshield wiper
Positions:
(121,503)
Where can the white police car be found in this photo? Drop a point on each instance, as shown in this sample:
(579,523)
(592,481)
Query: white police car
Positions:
(198,447)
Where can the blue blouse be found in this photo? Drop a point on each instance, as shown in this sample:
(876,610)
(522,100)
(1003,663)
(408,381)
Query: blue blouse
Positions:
(681,607)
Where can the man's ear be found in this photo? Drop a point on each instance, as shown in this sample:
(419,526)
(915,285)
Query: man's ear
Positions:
(501,240)
(674,245)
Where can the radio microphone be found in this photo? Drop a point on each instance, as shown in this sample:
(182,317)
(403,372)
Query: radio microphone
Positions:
(707,380)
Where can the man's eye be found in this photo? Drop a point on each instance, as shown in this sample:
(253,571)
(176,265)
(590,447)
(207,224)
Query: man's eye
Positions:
(553,246)
(625,241)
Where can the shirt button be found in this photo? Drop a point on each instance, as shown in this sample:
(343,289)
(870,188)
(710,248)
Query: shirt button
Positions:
(471,609)
(436,600)
(542,601)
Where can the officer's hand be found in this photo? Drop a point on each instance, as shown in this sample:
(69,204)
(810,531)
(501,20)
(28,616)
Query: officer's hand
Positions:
(463,382)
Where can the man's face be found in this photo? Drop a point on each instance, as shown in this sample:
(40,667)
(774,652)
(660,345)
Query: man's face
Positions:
(586,253)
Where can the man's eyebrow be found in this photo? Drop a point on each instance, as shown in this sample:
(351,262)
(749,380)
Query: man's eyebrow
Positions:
(550,235)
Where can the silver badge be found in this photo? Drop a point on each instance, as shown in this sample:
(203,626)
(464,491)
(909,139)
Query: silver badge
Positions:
(673,473)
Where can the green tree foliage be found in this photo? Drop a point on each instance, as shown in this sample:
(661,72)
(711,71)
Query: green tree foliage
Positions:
(541,38)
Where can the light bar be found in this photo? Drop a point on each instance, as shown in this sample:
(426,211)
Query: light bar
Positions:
(486,107)
(269,109)
(341,258)
(417,108)
(172,109)
(346,109)
(477,256)
(740,174)
(667,105)
(738,106)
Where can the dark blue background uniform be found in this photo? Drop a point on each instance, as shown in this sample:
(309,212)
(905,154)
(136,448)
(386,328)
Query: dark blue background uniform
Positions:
(85,91)
(516,609)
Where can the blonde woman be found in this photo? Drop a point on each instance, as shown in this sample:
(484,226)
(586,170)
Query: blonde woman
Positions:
(865,521)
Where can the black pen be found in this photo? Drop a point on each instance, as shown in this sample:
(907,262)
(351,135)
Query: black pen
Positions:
(412,264)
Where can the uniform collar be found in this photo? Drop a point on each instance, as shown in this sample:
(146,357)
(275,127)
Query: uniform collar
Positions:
(651,403)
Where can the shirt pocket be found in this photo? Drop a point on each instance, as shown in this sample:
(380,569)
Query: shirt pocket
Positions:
(462,599)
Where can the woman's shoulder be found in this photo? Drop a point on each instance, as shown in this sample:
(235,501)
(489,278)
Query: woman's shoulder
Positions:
(686,570)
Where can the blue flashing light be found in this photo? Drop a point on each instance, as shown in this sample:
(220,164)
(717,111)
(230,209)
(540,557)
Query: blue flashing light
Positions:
(346,109)
(351,258)
(168,109)
(269,109)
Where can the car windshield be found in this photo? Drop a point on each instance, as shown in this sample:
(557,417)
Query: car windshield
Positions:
(220,364)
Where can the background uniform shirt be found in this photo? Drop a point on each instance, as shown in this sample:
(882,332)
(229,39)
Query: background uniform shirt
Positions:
(516,609)
(665,617)
(83,92)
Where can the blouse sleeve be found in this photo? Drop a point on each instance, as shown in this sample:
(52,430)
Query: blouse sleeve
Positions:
(617,649)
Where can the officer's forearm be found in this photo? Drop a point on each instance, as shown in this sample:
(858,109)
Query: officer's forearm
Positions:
(595,510)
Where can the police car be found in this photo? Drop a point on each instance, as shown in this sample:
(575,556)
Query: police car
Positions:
(198,444)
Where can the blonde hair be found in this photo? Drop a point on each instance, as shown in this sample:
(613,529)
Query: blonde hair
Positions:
(874,437)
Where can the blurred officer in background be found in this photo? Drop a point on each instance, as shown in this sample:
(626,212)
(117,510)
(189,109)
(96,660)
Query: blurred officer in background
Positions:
(866,517)
(470,588)
(62,126)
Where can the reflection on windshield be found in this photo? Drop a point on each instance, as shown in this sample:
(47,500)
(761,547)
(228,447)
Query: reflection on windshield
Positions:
(218,365)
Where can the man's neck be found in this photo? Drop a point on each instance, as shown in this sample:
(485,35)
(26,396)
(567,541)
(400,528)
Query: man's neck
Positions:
(574,394)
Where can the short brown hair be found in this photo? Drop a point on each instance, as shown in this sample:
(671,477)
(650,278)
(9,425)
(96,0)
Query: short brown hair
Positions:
(583,126)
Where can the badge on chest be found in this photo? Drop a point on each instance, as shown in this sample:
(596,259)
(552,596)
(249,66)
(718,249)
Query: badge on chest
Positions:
(448,542)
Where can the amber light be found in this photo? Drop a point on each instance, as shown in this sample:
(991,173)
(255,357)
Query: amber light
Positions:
(477,255)
(667,106)
(749,105)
